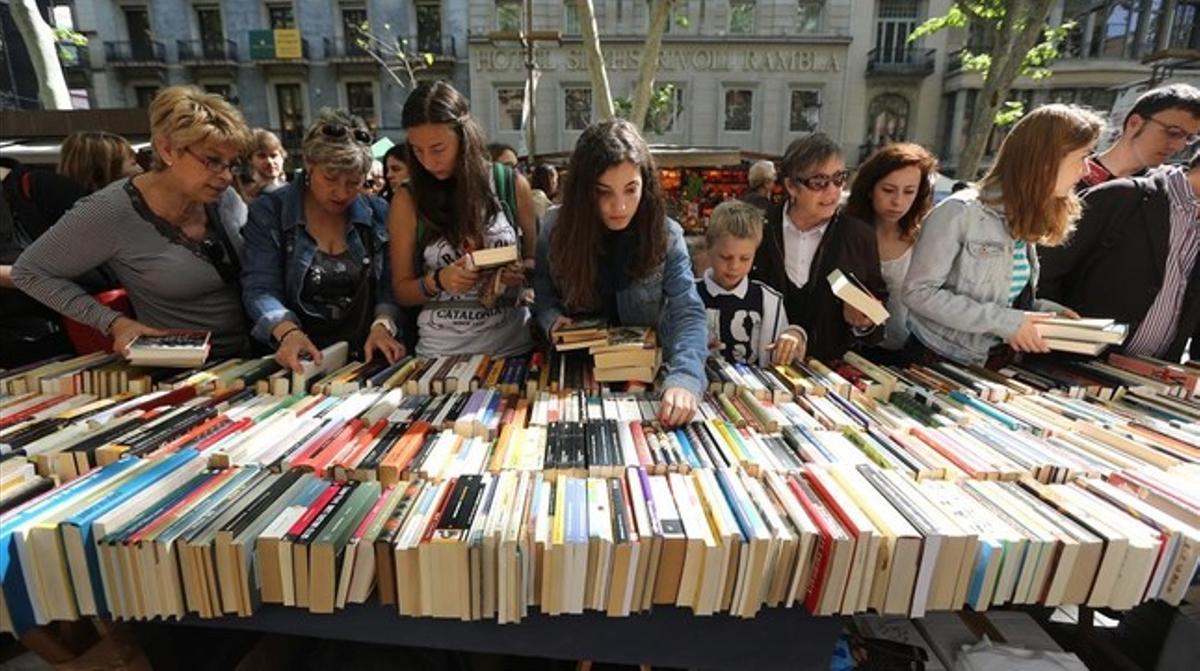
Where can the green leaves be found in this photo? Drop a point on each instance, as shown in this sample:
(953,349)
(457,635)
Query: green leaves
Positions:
(1010,113)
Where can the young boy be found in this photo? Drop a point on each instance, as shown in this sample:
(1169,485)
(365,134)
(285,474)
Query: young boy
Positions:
(746,319)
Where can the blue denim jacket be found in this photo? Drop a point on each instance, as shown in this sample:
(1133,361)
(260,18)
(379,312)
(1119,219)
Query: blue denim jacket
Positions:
(666,300)
(957,287)
(275,231)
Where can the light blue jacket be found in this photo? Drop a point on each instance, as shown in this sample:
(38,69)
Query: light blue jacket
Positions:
(666,300)
(957,287)
(275,235)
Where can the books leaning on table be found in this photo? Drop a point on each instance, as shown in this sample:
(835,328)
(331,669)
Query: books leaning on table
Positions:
(177,349)
(853,293)
(1081,336)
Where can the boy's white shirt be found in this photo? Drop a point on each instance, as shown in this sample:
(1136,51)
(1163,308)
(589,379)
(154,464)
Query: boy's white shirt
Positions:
(774,317)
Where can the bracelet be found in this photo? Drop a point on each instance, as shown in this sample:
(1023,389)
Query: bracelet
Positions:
(280,339)
(437,280)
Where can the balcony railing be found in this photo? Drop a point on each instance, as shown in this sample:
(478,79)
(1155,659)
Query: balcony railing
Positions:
(911,61)
(207,50)
(442,46)
(136,53)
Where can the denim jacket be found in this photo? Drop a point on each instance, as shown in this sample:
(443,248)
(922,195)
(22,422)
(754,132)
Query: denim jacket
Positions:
(275,233)
(666,300)
(957,287)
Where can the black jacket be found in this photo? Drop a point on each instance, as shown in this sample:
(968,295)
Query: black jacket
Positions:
(1113,264)
(848,245)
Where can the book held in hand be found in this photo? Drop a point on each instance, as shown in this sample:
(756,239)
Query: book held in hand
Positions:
(1081,336)
(854,294)
(178,349)
(494,257)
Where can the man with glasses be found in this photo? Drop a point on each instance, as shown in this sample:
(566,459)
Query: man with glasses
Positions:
(1133,257)
(1163,122)
(807,237)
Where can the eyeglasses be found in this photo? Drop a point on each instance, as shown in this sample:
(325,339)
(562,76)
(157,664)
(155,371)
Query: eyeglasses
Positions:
(214,165)
(338,131)
(822,182)
(1176,133)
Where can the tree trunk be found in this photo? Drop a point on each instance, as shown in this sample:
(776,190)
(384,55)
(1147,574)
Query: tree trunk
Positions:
(601,94)
(43,53)
(660,14)
(1005,68)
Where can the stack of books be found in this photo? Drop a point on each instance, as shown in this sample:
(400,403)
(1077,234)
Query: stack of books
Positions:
(619,353)
(1081,336)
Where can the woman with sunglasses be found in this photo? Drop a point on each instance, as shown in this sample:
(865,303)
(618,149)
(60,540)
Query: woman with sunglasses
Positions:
(808,237)
(317,253)
(170,236)
(611,252)
(452,207)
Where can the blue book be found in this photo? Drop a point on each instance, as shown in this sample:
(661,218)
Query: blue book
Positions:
(744,522)
(689,451)
(11,577)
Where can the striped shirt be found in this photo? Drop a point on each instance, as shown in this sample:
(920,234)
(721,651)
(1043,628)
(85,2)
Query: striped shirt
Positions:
(1157,329)
(1020,271)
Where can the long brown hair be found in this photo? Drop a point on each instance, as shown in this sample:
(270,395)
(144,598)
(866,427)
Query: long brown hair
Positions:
(882,163)
(94,159)
(1026,172)
(459,206)
(578,237)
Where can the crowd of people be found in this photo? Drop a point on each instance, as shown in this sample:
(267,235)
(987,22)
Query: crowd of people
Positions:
(379,253)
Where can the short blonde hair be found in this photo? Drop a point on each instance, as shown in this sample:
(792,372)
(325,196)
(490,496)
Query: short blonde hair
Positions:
(264,140)
(340,152)
(186,116)
(733,217)
(94,159)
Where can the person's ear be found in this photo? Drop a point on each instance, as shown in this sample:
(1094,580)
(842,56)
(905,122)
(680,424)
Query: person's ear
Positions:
(1134,124)
(167,152)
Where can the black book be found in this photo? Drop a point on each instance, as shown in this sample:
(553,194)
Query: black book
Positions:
(387,439)
(426,445)
(593,440)
(43,485)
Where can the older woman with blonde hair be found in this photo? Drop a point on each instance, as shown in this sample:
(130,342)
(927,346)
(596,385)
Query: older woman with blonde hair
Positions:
(317,253)
(96,159)
(171,236)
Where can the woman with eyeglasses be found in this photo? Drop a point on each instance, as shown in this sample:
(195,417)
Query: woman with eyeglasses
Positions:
(893,191)
(171,236)
(317,253)
(808,237)
(611,252)
(456,202)
(971,287)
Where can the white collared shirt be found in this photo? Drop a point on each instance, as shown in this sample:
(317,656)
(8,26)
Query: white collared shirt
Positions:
(745,327)
(800,248)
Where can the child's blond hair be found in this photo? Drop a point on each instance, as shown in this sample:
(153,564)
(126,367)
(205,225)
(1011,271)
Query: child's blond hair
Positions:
(733,217)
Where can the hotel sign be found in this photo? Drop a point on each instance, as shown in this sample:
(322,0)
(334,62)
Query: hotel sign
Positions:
(757,60)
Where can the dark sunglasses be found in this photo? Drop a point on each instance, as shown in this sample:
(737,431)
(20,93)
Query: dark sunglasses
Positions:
(338,131)
(822,182)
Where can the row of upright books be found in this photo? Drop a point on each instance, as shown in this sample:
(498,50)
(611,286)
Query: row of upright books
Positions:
(439,485)
(145,539)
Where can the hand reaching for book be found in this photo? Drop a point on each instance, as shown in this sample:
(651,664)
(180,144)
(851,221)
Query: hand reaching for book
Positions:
(792,344)
(124,330)
(295,343)
(561,322)
(677,407)
(855,318)
(1027,338)
(379,339)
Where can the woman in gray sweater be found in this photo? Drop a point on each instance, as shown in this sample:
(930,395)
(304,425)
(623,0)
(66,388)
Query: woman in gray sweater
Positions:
(171,236)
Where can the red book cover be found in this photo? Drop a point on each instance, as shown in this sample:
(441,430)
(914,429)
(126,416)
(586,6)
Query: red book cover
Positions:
(30,411)
(940,447)
(639,444)
(233,427)
(319,460)
(314,444)
(173,397)
(196,432)
(363,444)
(823,549)
(313,510)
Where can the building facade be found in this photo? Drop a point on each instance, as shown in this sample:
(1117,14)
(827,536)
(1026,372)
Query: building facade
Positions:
(280,61)
(745,73)
(751,74)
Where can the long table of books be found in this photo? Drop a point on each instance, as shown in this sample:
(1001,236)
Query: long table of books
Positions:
(515,490)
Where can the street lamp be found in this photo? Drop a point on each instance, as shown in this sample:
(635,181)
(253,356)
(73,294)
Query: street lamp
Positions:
(528,38)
